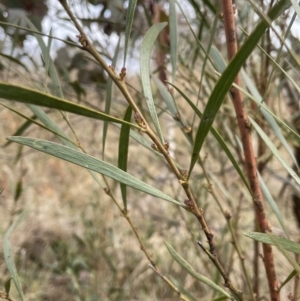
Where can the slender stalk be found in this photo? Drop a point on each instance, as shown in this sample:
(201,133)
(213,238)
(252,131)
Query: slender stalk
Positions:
(121,84)
(214,259)
(152,264)
(250,162)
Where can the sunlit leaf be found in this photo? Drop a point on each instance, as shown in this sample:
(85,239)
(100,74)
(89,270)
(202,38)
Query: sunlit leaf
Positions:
(146,50)
(275,151)
(271,239)
(129,21)
(123,151)
(193,273)
(92,163)
(29,96)
(272,204)
(8,257)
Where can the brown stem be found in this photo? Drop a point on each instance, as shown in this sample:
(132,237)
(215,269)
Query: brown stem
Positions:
(250,162)
(227,282)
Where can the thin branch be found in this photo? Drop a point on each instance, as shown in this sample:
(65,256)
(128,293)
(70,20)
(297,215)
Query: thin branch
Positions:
(190,202)
(250,162)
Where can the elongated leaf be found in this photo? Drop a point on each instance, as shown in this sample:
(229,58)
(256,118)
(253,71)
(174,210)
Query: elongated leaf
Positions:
(271,239)
(129,21)
(7,286)
(51,125)
(224,83)
(22,128)
(147,45)
(217,59)
(270,119)
(288,278)
(109,87)
(14,60)
(272,204)
(173,36)
(92,163)
(219,138)
(9,259)
(49,65)
(193,273)
(296,7)
(171,105)
(275,151)
(123,151)
(255,96)
(29,96)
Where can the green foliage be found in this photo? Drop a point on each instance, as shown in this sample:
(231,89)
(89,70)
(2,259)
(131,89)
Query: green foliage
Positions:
(145,141)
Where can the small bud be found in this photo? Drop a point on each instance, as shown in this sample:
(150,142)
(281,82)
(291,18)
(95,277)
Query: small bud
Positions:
(139,120)
(228,215)
(154,146)
(189,203)
(122,73)
(82,40)
(177,117)
(187,129)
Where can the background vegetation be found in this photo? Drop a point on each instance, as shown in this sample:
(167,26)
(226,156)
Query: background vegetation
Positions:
(183,221)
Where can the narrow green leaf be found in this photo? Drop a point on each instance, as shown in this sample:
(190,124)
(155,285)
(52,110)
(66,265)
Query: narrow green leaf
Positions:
(219,138)
(22,128)
(29,96)
(272,203)
(123,152)
(217,59)
(171,105)
(224,83)
(193,273)
(129,21)
(275,151)
(7,286)
(296,7)
(92,163)
(288,278)
(49,65)
(271,239)
(51,126)
(173,36)
(109,87)
(147,45)
(255,96)
(14,60)
(8,257)
(270,119)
